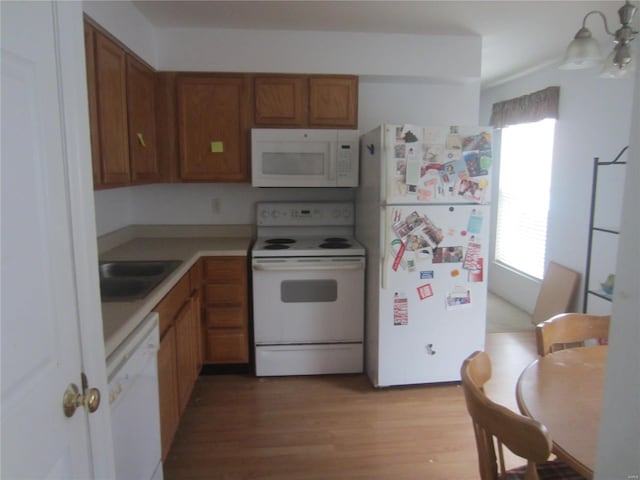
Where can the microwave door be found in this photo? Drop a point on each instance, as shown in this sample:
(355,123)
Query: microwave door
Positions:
(292,164)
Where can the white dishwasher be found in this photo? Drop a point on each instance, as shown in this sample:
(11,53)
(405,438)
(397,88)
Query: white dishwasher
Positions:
(132,371)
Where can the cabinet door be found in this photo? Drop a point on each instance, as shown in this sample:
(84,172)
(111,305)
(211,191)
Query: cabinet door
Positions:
(186,353)
(168,390)
(195,275)
(111,83)
(333,101)
(212,128)
(89,43)
(280,100)
(142,122)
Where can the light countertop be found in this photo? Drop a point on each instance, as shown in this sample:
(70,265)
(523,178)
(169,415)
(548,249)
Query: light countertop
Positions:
(119,319)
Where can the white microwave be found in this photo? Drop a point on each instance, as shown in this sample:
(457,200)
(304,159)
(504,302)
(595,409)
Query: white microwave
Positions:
(304,157)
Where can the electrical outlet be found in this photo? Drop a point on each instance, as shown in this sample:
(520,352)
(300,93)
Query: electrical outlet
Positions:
(215,205)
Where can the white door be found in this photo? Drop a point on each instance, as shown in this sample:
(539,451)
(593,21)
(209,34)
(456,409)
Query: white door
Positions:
(40,329)
(433,309)
(434,165)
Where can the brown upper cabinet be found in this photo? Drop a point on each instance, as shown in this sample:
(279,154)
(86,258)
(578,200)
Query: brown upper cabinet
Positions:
(121,91)
(280,100)
(333,101)
(142,122)
(149,126)
(329,101)
(109,133)
(212,127)
(90,48)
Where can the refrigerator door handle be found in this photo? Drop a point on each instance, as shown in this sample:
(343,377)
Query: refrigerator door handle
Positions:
(385,250)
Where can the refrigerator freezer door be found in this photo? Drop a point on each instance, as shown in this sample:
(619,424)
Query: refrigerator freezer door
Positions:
(437,165)
(432,309)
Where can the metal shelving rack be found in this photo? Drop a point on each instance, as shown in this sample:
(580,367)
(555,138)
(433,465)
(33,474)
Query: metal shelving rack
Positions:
(593,228)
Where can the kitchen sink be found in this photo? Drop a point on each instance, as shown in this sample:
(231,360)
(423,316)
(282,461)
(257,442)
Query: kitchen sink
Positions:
(122,281)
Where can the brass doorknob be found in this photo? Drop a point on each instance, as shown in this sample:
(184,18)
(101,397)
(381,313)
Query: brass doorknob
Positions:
(92,399)
(72,399)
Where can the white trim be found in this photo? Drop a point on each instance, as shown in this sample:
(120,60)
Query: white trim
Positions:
(75,125)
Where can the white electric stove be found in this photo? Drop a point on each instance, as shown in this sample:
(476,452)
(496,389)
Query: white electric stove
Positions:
(308,289)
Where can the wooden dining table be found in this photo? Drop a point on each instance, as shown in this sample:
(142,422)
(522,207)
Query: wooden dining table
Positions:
(563,390)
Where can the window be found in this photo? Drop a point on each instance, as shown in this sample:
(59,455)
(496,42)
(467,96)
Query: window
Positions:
(523,196)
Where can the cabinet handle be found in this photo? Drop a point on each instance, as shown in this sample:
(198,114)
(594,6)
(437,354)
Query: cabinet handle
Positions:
(141,140)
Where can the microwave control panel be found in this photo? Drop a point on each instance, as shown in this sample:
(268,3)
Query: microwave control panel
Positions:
(347,158)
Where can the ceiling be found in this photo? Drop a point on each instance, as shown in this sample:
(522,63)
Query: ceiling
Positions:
(518,36)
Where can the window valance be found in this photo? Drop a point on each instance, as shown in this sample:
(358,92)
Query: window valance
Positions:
(527,108)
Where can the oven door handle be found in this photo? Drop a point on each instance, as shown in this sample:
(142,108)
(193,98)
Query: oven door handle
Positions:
(281,267)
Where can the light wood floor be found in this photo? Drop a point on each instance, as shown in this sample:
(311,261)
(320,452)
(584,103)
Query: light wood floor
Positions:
(337,427)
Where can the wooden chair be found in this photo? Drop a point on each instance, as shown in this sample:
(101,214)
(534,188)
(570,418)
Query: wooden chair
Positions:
(570,329)
(495,425)
(557,292)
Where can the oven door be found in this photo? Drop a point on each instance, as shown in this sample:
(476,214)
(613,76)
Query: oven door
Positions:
(308,300)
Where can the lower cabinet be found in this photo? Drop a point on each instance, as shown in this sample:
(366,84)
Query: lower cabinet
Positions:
(179,358)
(168,390)
(226,310)
(203,319)
(186,352)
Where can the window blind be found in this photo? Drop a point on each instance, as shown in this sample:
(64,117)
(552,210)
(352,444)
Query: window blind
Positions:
(523,196)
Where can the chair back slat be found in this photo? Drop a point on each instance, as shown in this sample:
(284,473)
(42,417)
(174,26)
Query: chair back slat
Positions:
(570,329)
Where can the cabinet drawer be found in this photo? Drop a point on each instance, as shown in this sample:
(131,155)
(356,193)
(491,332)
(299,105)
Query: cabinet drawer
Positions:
(227,346)
(225,317)
(225,269)
(216,294)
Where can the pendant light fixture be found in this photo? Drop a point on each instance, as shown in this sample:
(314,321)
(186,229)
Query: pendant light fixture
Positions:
(584,51)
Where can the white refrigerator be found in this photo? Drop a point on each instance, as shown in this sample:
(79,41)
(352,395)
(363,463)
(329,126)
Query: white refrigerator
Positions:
(422,213)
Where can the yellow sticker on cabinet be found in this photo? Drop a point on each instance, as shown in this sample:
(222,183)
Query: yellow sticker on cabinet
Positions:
(217,147)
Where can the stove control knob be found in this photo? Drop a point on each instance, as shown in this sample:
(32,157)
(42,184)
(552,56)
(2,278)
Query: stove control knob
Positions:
(275,213)
(264,213)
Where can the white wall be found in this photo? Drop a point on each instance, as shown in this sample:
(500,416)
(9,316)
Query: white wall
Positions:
(619,435)
(594,121)
(216,49)
(191,203)
(397,101)
(127,24)
(114,209)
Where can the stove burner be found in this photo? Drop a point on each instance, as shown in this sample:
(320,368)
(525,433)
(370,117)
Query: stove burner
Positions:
(276,246)
(278,241)
(335,240)
(336,245)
